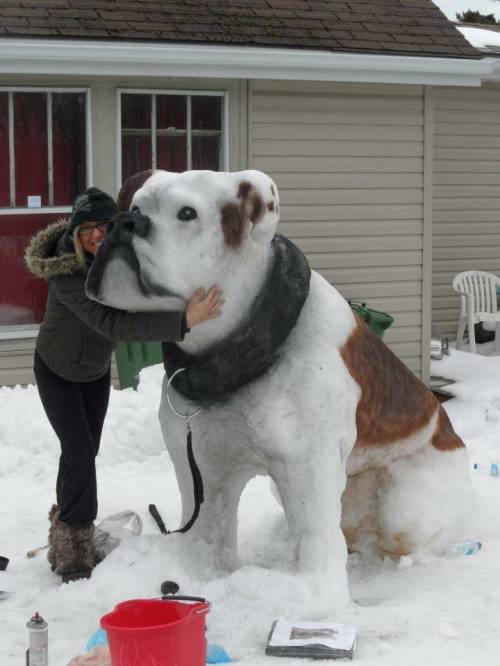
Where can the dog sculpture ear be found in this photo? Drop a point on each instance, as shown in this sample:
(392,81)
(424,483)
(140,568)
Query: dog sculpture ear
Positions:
(130,187)
(259,203)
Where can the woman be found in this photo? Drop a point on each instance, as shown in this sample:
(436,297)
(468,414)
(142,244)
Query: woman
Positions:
(72,366)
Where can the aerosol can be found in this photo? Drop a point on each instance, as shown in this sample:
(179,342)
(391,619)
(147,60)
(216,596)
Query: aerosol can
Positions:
(37,652)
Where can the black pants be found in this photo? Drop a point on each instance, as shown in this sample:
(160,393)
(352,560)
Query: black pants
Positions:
(76,412)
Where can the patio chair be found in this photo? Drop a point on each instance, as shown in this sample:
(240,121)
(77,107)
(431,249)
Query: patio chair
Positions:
(478,302)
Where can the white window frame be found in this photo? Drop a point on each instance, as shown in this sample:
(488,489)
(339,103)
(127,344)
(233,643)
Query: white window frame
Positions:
(24,210)
(23,331)
(184,93)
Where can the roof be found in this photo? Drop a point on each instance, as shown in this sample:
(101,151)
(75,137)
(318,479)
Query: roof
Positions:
(404,27)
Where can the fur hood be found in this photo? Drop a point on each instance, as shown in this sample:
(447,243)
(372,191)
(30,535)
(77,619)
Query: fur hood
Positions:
(44,256)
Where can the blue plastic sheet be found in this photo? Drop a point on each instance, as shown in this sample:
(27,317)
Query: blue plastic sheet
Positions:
(215,653)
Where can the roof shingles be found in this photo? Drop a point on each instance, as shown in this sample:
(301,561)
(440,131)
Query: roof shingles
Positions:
(409,27)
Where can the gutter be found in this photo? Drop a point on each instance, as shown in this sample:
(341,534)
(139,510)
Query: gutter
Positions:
(494,74)
(134,59)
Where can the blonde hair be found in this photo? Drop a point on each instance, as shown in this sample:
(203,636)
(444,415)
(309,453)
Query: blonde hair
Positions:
(79,251)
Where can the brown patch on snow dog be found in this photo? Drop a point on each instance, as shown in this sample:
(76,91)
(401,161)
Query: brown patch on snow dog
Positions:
(130,187)
(394,404)
(234,217)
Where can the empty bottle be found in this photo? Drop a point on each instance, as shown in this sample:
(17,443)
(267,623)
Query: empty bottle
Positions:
(463,548)
(492,468)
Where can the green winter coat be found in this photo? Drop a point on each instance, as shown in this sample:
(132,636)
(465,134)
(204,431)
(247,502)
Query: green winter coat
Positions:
(77,336)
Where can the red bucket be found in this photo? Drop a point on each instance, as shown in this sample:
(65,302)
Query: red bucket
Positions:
(157,632)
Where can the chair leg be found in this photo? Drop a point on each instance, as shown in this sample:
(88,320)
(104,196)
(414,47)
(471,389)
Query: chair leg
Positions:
(472,336)
(497,336)
(461,330)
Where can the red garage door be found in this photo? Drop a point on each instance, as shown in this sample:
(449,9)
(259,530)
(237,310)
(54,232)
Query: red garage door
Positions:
(43,166)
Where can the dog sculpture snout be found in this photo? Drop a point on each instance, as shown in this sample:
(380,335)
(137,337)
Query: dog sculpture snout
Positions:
(124,226)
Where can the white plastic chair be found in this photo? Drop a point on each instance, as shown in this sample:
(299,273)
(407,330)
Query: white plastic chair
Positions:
(478,302)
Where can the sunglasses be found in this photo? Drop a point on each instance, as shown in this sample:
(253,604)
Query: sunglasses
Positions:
(87,229)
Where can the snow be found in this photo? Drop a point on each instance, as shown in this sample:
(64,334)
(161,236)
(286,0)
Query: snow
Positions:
(480,38)
(441,610)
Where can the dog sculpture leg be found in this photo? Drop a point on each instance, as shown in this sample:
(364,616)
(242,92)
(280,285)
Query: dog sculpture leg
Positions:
(223,484)
(311,491)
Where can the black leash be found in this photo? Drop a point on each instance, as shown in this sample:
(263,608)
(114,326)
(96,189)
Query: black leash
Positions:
(197,481)
(197,489)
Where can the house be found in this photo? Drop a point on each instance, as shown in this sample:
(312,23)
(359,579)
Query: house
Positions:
(466,209)
(348,105)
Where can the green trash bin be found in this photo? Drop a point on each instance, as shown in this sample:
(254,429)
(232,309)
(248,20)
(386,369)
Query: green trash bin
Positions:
(376,320)
(131,357)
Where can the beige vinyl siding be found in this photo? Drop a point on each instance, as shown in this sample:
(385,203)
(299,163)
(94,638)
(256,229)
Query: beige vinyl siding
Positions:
(466,192)
(16,362)
(348,162)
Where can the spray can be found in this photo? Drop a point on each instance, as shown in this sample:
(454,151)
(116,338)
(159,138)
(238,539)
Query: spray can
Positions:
(37,651)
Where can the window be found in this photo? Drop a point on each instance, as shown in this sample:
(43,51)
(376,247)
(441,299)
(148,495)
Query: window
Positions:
(43,166)
(171,131)
(42,148)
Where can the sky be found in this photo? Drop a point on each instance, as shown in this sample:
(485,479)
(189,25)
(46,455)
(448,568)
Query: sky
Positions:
(451,7)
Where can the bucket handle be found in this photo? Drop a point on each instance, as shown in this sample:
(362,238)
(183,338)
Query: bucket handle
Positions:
(178,597)
(199,611)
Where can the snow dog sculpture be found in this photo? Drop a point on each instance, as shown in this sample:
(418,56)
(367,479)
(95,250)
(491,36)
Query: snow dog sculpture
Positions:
(294,385)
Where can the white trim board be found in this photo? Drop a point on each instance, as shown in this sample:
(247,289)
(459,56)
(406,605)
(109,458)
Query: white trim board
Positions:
(494,74)
(101,58)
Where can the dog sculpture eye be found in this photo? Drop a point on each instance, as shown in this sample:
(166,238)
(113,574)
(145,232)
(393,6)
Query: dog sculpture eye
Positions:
(187,213)
(135,209)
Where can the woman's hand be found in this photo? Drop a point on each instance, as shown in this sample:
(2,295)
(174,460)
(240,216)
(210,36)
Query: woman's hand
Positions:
(204,305)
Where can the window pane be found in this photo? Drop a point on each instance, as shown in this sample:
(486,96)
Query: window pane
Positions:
(136,134)
(22,296)
(4,151)
(30,147)
(171,111)
(68,146)
(206,112)
(206,121)
(136,111)
(171,135)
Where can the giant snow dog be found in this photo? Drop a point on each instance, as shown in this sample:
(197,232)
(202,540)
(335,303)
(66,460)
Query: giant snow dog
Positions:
(292,383)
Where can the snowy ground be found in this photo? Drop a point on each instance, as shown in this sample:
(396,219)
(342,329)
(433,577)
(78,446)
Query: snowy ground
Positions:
(438,611)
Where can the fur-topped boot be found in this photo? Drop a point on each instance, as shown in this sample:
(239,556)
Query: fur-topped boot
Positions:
(71,552)
(53,518)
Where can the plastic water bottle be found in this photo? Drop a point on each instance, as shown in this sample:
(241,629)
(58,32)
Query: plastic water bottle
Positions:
(463,548)
(492,468)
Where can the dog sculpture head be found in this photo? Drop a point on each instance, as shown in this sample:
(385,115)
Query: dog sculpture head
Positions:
(173,231)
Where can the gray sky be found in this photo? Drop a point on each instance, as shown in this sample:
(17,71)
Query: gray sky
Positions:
(451,7)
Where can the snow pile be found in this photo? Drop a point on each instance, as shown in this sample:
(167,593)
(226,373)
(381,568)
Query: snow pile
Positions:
(441,610)
(481,38)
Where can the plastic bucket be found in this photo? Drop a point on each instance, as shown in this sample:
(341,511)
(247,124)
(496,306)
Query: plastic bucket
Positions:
(377,321)
(157,632)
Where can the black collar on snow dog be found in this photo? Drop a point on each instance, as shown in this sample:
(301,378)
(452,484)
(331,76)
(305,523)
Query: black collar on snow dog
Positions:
(254,346)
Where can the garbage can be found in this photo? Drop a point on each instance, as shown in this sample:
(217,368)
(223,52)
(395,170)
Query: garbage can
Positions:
(131,357)
(377,321)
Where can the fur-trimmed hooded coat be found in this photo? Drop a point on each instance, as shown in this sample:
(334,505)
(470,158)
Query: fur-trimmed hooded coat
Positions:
(77,336)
